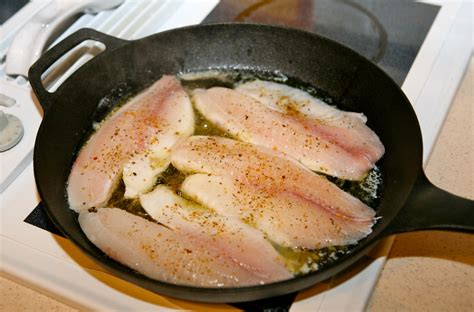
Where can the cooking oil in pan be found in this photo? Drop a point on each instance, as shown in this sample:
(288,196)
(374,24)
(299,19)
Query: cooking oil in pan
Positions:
(298,260)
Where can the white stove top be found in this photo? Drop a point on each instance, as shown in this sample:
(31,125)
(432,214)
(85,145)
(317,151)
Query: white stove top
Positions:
(54,265)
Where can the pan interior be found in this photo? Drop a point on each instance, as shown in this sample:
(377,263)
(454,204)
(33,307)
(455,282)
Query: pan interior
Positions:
(340,73)
(299,260)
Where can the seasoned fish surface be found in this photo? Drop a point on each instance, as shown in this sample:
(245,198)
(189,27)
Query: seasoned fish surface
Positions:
(241,200)
(276,116)
(285,218)
(346,129)
(269,170)
(135,141)
(160,253)
(234,242)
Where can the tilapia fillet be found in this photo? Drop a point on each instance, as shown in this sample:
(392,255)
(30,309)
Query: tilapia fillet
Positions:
(161,253)
(347,129)
(268,170)
(276,116)
(234,242)
(284,218)
(136,141)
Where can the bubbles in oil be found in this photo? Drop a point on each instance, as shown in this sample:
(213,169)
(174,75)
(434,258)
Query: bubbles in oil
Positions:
(368,190)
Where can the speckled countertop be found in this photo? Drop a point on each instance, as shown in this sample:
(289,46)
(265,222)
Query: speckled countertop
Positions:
(425,271)
(434,270)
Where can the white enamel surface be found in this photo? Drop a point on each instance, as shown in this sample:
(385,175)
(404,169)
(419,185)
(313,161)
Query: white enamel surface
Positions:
(11,131)
(31,39)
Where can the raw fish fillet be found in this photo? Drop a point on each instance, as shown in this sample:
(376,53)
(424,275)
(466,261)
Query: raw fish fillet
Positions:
(160,253)
(284,218)
(237,243)
(266,169)
(276,116)
(136,141)
(347,129)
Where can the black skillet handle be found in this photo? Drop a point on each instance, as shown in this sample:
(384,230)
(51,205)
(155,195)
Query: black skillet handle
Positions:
(429,207)
(35,72)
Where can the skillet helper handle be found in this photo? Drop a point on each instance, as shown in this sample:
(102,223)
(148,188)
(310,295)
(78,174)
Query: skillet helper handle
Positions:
(431,208)
(35,72)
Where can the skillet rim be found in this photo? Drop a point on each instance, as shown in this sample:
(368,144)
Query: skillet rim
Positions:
(329,270)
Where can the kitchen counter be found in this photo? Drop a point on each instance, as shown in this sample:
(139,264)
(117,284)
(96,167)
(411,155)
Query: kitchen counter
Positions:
(434,270)
(425,271)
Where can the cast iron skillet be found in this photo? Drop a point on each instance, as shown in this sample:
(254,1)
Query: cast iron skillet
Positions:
(409,201)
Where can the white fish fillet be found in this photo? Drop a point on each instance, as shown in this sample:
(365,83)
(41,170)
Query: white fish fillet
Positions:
(228,237)
(264,168)
(276,116)
(160,253)
(135,141)
(348,129)
(285,219)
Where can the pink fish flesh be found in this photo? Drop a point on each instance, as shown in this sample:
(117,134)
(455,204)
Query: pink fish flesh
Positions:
(269,170)
(276,116)
(284,218)
(160,253)
(228,237)
(135,141)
